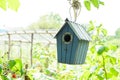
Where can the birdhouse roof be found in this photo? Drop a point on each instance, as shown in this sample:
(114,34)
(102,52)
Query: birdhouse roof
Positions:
(78,29)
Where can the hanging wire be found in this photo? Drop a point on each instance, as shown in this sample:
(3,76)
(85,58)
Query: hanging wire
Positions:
(76,5)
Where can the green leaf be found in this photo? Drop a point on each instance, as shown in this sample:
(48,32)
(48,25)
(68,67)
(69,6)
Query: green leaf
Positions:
(102,49)
(0,69)
(92,69)
(102,3)
(3,4)
(4,77)
(1,60)
(114,72)
(11,64)
(92,49)
(48,72)
(100,72)
(22,72)
(87,5)
(90,76)
(112,59)
(14,4)
(113,47)
(18,64)
(109,75)
(100,77)
(90,28)
(85,75)
(95,3)
(104,31)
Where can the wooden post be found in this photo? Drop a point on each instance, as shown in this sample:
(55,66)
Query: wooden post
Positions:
(9,45)
(20,49)
(5,47)
(32,35)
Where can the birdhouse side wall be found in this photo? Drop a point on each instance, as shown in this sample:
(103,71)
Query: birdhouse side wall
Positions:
(85,51)
(81,52)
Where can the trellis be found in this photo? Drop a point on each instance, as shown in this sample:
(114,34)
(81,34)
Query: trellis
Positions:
(34,36)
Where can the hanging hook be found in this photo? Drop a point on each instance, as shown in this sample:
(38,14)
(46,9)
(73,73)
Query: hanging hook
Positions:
(76,5)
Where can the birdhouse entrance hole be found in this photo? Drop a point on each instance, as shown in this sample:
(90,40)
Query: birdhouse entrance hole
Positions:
(67,38)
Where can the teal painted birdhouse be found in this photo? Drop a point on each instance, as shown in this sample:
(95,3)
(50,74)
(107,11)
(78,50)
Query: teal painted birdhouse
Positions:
(72,43)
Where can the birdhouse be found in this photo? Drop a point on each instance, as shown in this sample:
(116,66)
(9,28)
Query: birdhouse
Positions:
(72,43)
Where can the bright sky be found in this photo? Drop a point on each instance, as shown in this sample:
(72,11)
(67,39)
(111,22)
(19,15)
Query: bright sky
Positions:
(31,10)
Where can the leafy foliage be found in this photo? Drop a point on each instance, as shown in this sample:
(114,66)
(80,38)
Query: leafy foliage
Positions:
(11,64)
(105,57)
(117,33)
(102,49)
(11,68)
(12,4)
(95,3)
(87,4)
(3,4)
(50,21)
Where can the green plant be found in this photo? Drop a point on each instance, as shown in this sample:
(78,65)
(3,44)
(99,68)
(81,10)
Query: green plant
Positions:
(12,4)
(10,68)
(95,3)
(102,58)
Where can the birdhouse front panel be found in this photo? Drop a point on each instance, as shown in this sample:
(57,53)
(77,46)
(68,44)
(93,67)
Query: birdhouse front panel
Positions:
(67,43)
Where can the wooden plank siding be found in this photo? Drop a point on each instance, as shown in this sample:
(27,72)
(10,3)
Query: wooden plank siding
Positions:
(64,46)
(59,48)
(74,49)
(79,49)
(85,51)
(82,52)
(69,46)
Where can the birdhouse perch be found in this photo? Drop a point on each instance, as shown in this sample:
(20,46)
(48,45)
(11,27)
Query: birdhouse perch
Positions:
(72,43)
